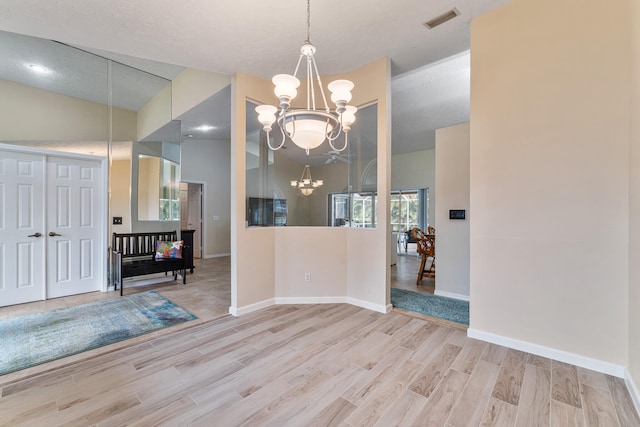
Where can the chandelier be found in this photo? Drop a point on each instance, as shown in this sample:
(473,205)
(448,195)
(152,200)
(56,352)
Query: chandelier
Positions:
(306,185)
(309,127)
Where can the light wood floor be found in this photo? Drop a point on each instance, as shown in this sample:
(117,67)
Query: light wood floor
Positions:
(405,273)
(303,365)
(317,365)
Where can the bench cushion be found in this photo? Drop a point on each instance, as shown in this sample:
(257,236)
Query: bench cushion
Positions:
(168,249)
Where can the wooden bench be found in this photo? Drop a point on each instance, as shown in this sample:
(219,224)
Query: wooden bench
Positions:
(134,254)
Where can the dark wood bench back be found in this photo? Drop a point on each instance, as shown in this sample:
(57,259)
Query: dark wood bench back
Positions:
(140,244)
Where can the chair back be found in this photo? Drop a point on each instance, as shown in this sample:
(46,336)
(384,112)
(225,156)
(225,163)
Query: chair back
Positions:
(425,243)
(431,230)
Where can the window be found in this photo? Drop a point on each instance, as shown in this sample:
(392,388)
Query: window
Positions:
(409,209)
(353,210)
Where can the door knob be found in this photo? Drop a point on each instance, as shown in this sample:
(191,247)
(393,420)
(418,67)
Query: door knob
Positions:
(34,235)
(53,233)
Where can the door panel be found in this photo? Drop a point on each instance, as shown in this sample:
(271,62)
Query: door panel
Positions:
(21,222)
(74,234)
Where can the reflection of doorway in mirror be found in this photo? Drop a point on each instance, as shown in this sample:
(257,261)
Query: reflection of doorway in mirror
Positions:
(191,213)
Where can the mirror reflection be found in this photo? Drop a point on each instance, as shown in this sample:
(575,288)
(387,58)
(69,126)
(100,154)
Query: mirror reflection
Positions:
(58,97)
(325,188)
(158,189)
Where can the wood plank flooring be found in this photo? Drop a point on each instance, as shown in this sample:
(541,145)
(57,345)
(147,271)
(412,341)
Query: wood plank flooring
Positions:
(317,365)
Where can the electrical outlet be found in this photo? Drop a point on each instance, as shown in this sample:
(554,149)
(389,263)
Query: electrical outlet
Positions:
(117,220)
(216,218)
(307,277)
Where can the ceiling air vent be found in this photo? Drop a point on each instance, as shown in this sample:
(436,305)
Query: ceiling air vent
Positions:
(441,19)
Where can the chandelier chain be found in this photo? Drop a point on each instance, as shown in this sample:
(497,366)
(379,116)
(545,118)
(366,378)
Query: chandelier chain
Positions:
(308,20)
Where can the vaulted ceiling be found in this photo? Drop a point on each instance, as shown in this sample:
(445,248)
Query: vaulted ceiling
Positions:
(430,87)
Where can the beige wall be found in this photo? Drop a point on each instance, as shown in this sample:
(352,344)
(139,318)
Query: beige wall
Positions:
(549,176)
(191,87)
(452,186)
(345,263)
(155,114)
(252,250)
(120,177)
(209,163)
(30,114)
(416,170)
(634,201)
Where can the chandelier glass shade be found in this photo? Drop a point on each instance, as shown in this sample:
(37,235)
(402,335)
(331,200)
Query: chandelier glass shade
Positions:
(309,127)
(306,184)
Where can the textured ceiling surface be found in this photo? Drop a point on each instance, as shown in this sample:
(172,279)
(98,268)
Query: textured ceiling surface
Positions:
(430,87)
(254,37)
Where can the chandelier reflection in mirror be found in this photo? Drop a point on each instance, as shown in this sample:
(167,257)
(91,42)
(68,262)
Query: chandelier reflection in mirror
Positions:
(309,127)
(306,185)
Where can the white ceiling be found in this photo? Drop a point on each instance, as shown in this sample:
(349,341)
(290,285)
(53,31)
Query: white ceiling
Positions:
(263,38)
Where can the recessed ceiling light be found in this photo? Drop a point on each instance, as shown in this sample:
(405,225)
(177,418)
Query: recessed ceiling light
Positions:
(205,128)
(39,69)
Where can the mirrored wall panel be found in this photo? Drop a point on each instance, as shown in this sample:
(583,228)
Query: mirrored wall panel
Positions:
(58,97)
(54,96)
(289,187)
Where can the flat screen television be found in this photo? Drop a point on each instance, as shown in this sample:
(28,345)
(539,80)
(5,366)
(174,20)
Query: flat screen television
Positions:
(265,212)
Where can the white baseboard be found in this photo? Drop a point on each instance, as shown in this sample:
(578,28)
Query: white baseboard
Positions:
(217,255)
(451,295)
(311,300)
(551,353)
(369,305)
(335,300)
(239,311)
(633,389)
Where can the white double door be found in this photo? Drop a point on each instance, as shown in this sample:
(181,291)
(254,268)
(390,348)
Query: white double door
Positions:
(51,233)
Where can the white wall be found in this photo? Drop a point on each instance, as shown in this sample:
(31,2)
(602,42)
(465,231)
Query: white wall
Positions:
(452,236)
(209,163)
(416,170)
(549,178)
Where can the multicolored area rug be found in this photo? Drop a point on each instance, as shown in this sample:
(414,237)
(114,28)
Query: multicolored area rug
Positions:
(31,340)
(431,305)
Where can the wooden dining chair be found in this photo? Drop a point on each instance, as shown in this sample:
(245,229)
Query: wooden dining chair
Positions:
(426,249)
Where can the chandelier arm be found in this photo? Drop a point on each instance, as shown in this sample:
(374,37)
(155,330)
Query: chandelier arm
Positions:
(271,146)
(336,134)
(295,72)
(346,135)
(324,98)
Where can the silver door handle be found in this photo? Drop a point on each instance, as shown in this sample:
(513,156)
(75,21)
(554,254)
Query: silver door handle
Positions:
(34,235)
(53,234)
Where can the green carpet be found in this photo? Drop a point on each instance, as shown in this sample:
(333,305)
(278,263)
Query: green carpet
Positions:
(431,305)
(30,340)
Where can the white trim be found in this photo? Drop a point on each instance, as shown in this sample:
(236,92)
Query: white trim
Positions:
(239,311)
(311,300)
(335,300)
(369,305)
(217,255)
(633,389)
(551,353)
(451,295)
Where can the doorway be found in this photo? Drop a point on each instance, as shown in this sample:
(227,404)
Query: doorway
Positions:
(191,213)
(51,225)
